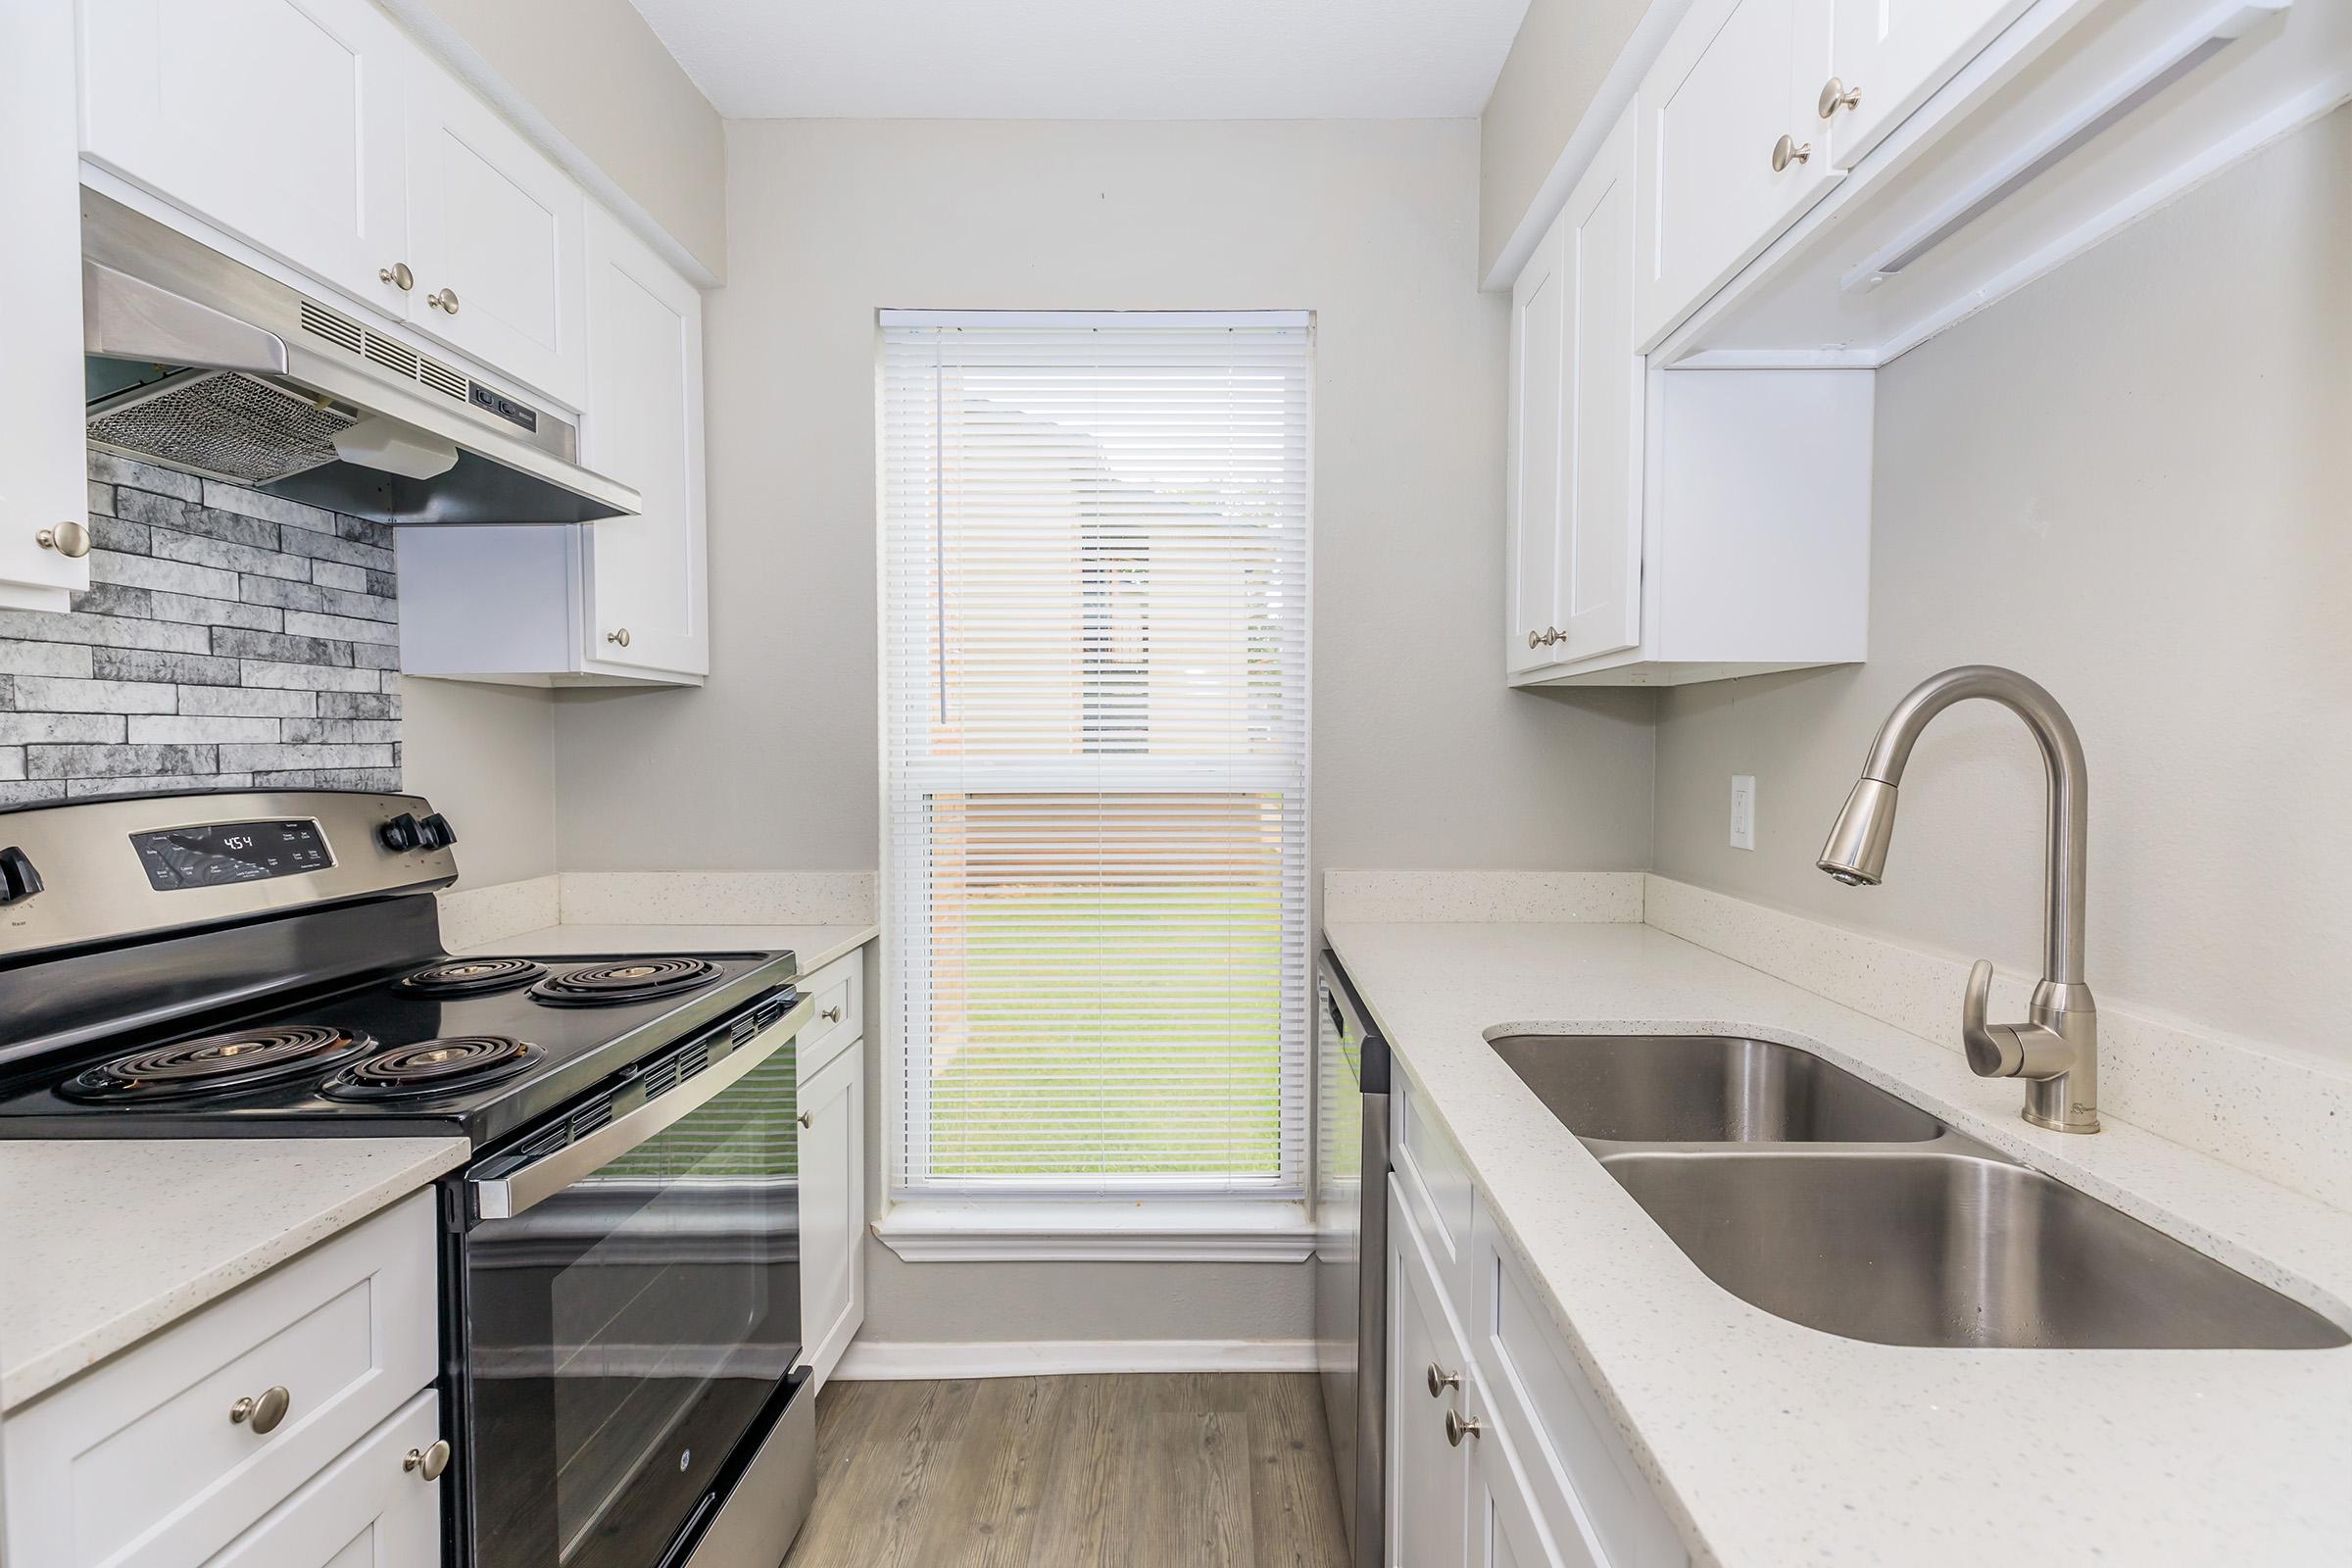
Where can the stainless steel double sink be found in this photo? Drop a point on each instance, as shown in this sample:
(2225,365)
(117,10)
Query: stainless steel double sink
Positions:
(1825,1200)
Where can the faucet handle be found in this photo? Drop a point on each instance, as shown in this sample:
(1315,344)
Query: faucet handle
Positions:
(2003,1049)
(1993,1049)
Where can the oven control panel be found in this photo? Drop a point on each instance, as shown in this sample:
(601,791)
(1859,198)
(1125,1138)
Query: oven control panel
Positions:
(230,851)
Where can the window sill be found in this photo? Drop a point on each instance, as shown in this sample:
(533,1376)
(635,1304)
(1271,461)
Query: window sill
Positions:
(1098,1230)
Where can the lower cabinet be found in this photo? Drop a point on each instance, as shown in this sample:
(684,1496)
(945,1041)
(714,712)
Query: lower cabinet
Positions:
(175,1450)
(377,1507)
(1500,1455)
(1429,1379)
(832,1112)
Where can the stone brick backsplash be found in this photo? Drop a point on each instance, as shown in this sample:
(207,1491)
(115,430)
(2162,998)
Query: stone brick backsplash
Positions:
(228,640)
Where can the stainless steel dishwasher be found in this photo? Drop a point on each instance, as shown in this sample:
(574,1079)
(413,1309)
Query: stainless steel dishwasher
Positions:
(1351,1251)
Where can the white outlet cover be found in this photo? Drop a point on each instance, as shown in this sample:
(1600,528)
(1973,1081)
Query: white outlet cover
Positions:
(1743,811)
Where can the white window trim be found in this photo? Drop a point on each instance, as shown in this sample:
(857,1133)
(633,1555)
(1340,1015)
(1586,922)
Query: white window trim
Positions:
(1202,1230)
(1227,1228)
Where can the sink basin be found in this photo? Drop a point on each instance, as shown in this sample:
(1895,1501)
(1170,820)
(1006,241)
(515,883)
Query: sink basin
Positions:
(1823,1200)
(1676,1089)
(1950,1249)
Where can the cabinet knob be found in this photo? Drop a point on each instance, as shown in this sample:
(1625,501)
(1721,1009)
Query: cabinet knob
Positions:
(831,1014)
(1440,1382)
(806,1118)
(619,639)
(1836,95)
(1458,1427)
(444,300)
(1788,150)
(69,539)
(429,1463)
(1546,637)
(263,1411)
(397,276)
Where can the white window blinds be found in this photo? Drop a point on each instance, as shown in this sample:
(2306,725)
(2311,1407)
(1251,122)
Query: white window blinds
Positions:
(1095,736)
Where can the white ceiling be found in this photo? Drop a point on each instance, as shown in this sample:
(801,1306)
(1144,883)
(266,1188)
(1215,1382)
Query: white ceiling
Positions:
(1090,59)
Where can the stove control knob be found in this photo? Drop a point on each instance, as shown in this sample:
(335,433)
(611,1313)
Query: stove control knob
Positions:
(18,878)
(436,832)
(402,834)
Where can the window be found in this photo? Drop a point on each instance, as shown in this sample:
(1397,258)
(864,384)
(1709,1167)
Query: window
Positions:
(1095,736)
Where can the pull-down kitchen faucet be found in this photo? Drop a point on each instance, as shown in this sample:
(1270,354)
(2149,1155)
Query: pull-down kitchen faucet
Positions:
(2057,1051)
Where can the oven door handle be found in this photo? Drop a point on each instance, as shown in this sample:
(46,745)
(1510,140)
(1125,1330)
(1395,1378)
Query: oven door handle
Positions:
(505,1197)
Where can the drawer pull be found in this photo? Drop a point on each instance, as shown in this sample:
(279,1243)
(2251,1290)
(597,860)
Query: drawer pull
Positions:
(1457,1428)
(263,1411)
(429,1463)
(1440,1382)
(831,1014)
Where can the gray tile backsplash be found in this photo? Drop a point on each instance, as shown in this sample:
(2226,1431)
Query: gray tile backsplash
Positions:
(228,640)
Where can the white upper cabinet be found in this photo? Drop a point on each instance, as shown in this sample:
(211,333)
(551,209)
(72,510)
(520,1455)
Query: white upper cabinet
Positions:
(496,241)
(280,121)
(1887,56)
(1732,147)
(1537,443)
(646,582)
(44,500)
(1575,515)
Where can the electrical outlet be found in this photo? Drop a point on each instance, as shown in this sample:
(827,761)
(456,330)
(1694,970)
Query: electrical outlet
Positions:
(1743,811)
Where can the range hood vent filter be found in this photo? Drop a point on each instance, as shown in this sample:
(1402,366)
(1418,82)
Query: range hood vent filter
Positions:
(223,424)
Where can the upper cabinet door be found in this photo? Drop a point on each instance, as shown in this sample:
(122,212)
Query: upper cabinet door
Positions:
(495,236)
(44,504)
(1537,443)
(1890,56)
(646,589)
(278,120)
(1600,554)
(1732,147)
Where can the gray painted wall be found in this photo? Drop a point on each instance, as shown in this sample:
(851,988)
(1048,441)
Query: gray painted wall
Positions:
(1421,755)
(228,640)
(1563,50)
(2129,481)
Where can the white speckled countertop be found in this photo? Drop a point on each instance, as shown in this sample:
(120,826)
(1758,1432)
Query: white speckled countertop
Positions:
(103,1242)
(1772,1443)
(815,946)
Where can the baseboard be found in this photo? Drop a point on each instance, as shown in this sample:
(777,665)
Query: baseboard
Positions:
(870,1361)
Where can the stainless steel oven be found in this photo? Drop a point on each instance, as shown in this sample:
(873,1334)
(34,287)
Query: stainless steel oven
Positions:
(626,1292)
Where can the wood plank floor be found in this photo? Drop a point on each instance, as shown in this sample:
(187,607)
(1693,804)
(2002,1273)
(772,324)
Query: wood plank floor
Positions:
(1178,1470)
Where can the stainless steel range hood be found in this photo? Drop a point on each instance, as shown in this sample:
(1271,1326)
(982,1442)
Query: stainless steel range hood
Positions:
(198,363)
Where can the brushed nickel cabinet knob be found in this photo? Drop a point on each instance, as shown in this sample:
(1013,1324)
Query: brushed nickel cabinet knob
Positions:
(806,1118)
(69,539)
(429,1463)
(831,1015)
(262,1411)
(397,276)
(1458,1427)
(444,300)
(619,639)
(1788,150)
(1440,1381)
(1836,95)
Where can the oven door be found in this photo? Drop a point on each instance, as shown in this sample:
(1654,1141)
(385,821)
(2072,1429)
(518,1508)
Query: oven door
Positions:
(628,1308)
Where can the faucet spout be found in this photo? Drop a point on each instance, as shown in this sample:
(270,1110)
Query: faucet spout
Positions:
(2057,1051)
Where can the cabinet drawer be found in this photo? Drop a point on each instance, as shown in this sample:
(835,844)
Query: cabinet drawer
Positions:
(1581,1472)
(839,990)
(369,1510)
(1437,1187)
(139,1461)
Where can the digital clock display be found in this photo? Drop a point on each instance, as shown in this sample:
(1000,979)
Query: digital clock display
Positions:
(229,852)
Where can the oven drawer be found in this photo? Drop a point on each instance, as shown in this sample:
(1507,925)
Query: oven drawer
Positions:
(146,1460)
(837,991)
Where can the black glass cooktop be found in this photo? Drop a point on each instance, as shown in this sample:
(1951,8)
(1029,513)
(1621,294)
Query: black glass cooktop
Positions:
(481,1046)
